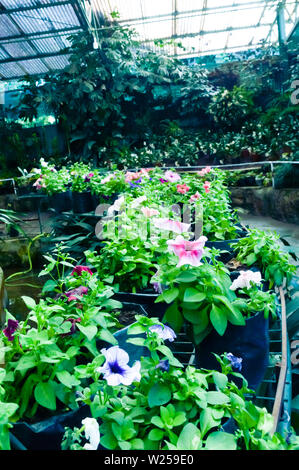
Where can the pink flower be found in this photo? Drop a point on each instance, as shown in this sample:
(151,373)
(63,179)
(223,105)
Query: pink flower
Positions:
(173,225)
(107,179)
(130,176)
(188,252)
(182,188)
(149,212)
(39,183)
(206,186)
(171,176)
(79,269)
(195,197)
(204,171)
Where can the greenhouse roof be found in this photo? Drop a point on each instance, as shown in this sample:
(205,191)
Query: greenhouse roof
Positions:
(192,28)
(34,33)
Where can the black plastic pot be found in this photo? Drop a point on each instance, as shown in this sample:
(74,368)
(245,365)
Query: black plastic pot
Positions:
(61,202)
(249,342)
(82,202)
(46,434)
(146,300)
(225,245)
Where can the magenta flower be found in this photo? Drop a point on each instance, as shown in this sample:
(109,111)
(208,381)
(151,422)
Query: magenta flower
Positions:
(88,177)
(9,331)
(189,253)
(116,370)
(164,332)
(79,270)
(172,176)
(172,225)
(76,293)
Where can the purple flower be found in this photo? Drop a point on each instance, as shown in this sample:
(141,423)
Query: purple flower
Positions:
(74,294)
(164,332)
(163,365)
(157,287)
(116,370)
(73,326)
(236,362)
(162,180)
(12,326)
(136,183)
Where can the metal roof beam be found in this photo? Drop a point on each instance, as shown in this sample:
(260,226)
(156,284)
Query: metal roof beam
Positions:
(39,35)
(204,33)
(204,11)
(32,57)
(9,11)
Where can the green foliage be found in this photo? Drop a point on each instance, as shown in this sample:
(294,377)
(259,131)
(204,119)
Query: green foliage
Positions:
(176,409)
(230,109)
(262,248)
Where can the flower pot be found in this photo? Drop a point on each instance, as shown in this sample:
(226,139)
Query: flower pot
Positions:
(226,245)
(146,300)
(82,202)
(61,202)
(249,342)
(46,434)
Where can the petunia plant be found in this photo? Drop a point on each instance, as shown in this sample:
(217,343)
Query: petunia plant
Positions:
(154,404)
(262,249)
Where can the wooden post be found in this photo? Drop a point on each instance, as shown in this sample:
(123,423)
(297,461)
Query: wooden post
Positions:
(2,317)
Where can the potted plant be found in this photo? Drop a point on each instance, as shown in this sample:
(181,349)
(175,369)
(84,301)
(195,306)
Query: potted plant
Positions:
(152,403)
(81,175)
(199,295)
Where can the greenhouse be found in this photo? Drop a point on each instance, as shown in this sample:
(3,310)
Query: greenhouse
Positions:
(149,227)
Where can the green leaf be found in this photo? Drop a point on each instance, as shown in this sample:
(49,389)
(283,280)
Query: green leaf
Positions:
(136,341)
(105,335)
(67,379)
(158,395)
(156,435)
(217,398)
(218,319)
(29,302)
(88,331)
(26,362)
(186,276)
(189,438)
(220,379)
(174,317)
(193,295)
(207,421)
(45,395)
(170,295)
(220,440)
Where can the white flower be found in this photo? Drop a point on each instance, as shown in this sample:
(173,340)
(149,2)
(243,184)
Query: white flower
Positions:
(137,201)
(246,279)
(116,206)
(92,433)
